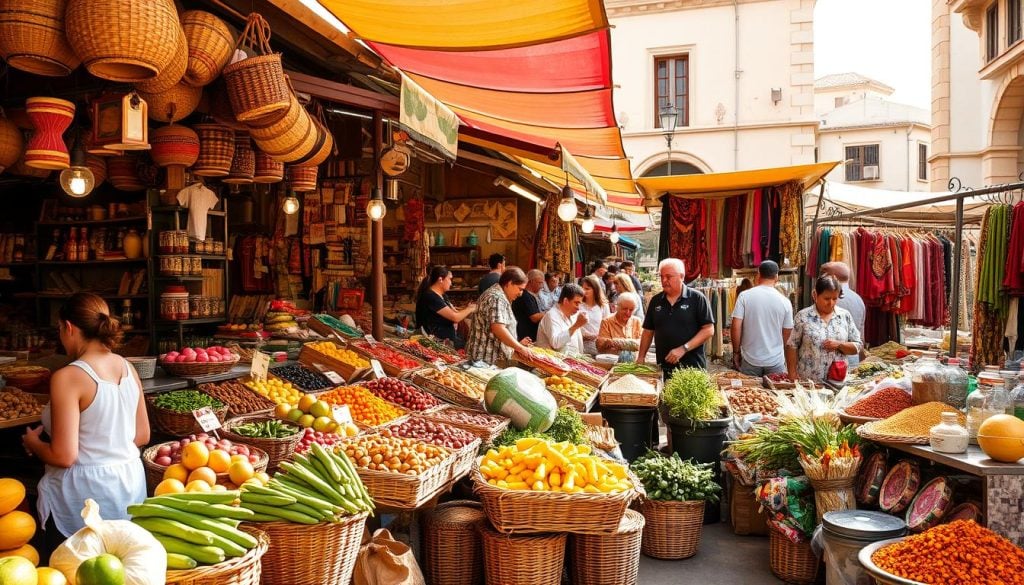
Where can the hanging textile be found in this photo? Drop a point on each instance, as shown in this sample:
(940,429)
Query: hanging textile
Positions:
(988,329)
(993,261)
(791,238)
(1013,281)
(687,237)
(553,246)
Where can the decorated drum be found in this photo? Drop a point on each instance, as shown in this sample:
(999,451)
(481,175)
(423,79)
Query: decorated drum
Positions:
(50,117)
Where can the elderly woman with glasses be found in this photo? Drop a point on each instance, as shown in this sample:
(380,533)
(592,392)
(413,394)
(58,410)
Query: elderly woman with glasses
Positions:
(621,331)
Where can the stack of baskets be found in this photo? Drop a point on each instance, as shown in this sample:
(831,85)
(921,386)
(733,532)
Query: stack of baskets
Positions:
(451,542)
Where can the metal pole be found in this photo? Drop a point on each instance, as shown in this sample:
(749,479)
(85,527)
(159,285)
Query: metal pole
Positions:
(948,197)
(954,312)
(377,238)
(668,138)
(809,279)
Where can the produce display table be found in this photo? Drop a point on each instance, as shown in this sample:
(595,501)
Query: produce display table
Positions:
(163,383)
(1002,485)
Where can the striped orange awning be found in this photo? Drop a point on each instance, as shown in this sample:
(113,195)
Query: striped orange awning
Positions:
(528,78)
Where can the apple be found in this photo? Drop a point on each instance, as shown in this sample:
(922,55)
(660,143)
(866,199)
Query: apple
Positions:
(214,358)
(170,356)
(254,459)
(202,358)
(181,359)
(242,449)
(188,351)
(163,460)
(185,441)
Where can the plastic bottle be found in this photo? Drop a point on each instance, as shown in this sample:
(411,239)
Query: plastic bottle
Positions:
(948,436)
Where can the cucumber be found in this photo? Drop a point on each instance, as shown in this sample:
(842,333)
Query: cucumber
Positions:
(208,555)
(263,518)
(180,562)
(225,497)
(230,549)
(313,480)
(176,529)
(310,511)
(157,511)
(328,462)
(202,508)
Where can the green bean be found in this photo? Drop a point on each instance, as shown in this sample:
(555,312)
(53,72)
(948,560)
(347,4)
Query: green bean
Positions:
(186,401)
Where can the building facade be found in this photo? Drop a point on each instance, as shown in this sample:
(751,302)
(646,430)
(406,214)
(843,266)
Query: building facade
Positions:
(739,72)
(882,144)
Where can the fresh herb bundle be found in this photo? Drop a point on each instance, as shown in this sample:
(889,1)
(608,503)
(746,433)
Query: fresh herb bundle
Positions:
(781,448)
(672,479)
(691,394)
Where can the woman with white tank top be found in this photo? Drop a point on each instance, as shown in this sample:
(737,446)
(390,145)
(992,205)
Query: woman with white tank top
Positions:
(96,421)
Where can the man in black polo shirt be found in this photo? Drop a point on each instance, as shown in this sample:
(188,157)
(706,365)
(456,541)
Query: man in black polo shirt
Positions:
(678,320)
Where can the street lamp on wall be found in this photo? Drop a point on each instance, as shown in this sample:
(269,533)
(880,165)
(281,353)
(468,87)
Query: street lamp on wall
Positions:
(669,117)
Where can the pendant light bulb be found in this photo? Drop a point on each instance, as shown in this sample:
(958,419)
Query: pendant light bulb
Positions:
(614,237)
(588,222)
(291,205)
(376,209)
(77,180)
(567,206)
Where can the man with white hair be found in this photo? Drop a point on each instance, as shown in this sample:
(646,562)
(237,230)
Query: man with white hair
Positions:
(848,299)
(678,321)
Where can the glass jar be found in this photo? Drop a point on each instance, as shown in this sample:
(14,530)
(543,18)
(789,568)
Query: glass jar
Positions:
(980,407)
(181,245)
(166,242)
(195,265)
(929,380)
(177,265)
(218,248)
(1017,399)
(195,303)
(956,384)
(168,309)
(948,436)
(165,265)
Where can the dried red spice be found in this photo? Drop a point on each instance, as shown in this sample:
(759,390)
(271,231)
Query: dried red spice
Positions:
(881,404)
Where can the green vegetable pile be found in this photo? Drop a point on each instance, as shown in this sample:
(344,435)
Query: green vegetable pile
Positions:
(568,426)
(672,479)
(186,401)
(268,429)
(634,368)
(339,325)
(780,448)
(690,394)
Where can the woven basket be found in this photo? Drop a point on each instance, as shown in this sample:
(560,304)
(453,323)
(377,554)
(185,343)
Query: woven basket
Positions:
(318,554)
(268,170)
(256,85)
(216,150)
(486,433)
(20,169)
(174,145)
(210,45)
(178,424)
(451,544)
(672,529)
(322,148)
(32,37)
(277,449)
(299,141)
(50,118)
(406,492)
(302,179)
(172,74)
(123,40)
(273,126)
(155,473)
(12,143)
(610,559)
(123,173)
(173,104)
(197,369)
(98,166)
(522,560)
(243,163)
(793,562)
(144,366)
(528,512)
(745,513)
(243,570)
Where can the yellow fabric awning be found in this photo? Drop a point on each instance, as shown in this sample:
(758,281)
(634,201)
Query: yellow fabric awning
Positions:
(719,185)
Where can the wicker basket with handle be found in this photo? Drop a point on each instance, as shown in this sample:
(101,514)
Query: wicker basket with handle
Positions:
(268,170)
(533,560)
(318,554)
(277,449)
(123,40)
(793,562)
(452,553)
(210,45)
(302,180)
(32,37)
(608,559)
(256,85)
(243,570)
(672,529)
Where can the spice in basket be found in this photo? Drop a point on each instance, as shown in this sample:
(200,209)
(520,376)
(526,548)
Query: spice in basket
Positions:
(744,401)
(915,421)
(365,407)
(958,553)
(240,399)
(881,404)
(630,384)
(402,394)
(542,466)
(431,432)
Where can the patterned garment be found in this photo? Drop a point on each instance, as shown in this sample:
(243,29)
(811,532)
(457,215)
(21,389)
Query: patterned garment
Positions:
(791,236)
(687,239)
(810,331)
(553,248)
(493,307)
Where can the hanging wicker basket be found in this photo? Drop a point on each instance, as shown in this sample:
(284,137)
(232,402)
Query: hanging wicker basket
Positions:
(302,179)
(210,45)
(169,76)
(243,164)
(256,85)
(174,104)
(123,40)
(32,37)
(218,108)
(123,173)
(289,138)
(98,166)
(268,170)
(50,118)
(322,148)
(216,150)
(174,145)
(12,142)
(22,170)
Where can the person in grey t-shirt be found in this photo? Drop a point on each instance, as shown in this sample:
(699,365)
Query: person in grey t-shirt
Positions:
(761,323)
(849,300)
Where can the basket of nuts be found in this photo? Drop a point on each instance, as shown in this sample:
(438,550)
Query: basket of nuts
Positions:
(20,408)
(746,400)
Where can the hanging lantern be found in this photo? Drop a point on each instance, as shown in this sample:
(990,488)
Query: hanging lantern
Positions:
(78,180)
(567,205)
(134,127)
(50,118)
(588,222)
(614,237)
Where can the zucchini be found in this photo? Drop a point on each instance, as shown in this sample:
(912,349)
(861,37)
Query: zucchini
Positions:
(176,529)
(314,501)
(177,561)
(282,514)
(225,497)
(277,500)
(208,555)
(202,508)
(157,511)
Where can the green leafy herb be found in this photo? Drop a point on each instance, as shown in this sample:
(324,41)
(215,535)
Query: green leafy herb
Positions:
(568,426)
(780,448)
(691,394)
(672,479)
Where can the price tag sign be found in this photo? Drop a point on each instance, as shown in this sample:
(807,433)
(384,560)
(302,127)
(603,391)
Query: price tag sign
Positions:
(334,377)
(206,418)
(378,370)
(440,365)
(260,365)
(369,339)
(737,383)
(342,414)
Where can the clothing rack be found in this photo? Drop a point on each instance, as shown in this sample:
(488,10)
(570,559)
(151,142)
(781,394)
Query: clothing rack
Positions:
(721,294)
(954,319)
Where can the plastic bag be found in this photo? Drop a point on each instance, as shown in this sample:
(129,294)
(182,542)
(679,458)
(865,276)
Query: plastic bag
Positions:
(386,561)
(144,558)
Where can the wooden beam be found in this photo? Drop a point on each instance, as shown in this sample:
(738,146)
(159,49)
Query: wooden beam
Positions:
(344,94)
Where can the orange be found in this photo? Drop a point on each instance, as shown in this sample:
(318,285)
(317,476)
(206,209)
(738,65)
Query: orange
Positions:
(306,402)
(219,460)
(27,551)
(176,471)
(240,471)
(49,576)
(204,473)
(198,486)
(169,486)
(238,457)
(281,410)
(194,455)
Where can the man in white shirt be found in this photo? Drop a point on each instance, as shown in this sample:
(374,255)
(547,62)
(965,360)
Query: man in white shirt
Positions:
(558,330)
(761,323)
(849,300)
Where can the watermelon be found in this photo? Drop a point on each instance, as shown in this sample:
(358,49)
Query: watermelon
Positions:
(930,505)
(869,482)
(899,487)
(965,511)
(522,397)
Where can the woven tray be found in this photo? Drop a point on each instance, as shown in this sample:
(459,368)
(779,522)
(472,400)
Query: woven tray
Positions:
(522,560)
(196,369)
(178,424)
(608,559)
(311,358)
(672,529)
(243,570)
(155,473)
(632,398)
(445,393)
(452,552)
(486,433)
(793,562)
(578,405)
(406,492)
(277,450)
(317,554)
(866,431)
(26,420)
(849,419)
(529,512)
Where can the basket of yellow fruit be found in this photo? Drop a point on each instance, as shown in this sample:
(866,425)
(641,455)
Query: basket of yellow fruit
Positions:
(569,392)
(321,355)
(275,389)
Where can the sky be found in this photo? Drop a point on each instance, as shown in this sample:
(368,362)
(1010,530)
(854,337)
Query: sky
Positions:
(886,40)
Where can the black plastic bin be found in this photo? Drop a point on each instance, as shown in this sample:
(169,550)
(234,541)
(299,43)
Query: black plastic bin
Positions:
(632,426)
(703,442)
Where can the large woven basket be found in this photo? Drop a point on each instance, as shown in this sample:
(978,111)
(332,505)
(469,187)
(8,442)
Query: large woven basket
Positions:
(178,424)
(320,554)
(451,544)
(322,147)
(793,562)
(528,512)
(12,142)
(123,173)
(173,104)
(197,369)
(155,473)
(169,76)
(123,40)
(522,560)
(243,163)
(672,529)
(210,45)
(256,85)
(745,513)
(299,141)
(277,449)
(407,492)
(303,180)
(32,37)
(608,559)
(216,150)
(174,145)
(274,126)
(243,570)
(268,170)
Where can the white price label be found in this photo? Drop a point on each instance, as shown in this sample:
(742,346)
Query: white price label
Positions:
(206,418)
(737,383)
(260,365)
(440,365)
(378,370)
(370,340)
(342,414)
(334,377)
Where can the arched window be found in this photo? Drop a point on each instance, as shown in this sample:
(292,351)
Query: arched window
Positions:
(678,168)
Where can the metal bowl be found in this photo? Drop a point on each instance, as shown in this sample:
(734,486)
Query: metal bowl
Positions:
(881,576)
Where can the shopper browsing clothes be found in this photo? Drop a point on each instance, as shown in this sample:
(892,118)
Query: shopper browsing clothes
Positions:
(96,421)
(492,337)
(849,300)
(527,307)
(822,334)
(762,322)
(561,328)
(678,321)
(434,312)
